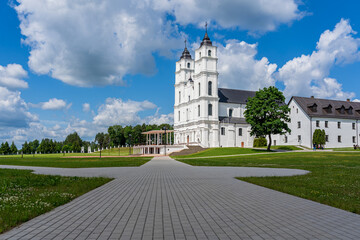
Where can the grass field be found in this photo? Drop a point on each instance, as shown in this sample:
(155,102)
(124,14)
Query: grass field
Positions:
(221,152)
(334,179)
(24,195)
(57,160)
(284,147)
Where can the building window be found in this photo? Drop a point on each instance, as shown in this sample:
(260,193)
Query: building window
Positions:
(354,139)
(209,88)
(339,139)
(230,112)
(297,110)
(199,90)
(187,114)
(210,109)
(189,98)
(286,139)
(179,115)
(209,53)
(353,126)
(222,131)
(179,97)
(299,124)
(188,65)
(199,54)
(317,123)
(326,138)
(339,124)
(240,131)
(299,138)
(326,124)
(198,110)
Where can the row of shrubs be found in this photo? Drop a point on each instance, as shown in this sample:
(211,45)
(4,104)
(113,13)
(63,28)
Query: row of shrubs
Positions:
(260,142)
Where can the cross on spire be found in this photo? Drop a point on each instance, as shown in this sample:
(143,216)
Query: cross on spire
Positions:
(185,42)
(206,26)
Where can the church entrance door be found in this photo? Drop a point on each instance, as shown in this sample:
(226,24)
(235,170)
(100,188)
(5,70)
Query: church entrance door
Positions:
(242,144)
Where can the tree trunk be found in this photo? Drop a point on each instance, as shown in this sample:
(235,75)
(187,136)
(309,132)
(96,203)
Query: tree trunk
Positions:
(269,145)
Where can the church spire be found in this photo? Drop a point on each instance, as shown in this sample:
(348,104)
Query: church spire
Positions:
(206,40)
(186,54)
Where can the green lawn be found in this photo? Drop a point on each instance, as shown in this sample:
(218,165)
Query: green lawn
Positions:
(56,160)
(222,152)
(285,147)
(344,149)
(24,195)
(334,179)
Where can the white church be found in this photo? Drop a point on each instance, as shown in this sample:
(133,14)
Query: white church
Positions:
(209,116)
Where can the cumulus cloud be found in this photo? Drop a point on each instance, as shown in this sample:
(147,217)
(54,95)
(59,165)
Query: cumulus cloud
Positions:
(117,111)
(52,104)
(309,74)
(239,68)
(13,110)
(11,76)
(86,107)
(253,15)
(87,43)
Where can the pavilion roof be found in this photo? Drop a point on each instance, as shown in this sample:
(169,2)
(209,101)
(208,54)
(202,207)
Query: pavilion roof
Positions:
(157,131)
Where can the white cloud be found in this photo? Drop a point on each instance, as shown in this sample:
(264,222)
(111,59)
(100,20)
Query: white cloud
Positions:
(309,74)
(239,69)
(11,76)
(13,110)
(117,111)
(86,43)
(52,104)
(86,107)
(253,15)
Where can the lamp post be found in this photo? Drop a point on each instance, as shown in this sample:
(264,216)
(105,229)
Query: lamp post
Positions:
(130,144)
(164,128)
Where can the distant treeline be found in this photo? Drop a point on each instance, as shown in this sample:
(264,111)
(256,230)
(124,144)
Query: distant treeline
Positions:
(115,136)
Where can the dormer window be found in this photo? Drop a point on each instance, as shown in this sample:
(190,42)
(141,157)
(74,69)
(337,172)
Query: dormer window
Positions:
(209,53)
(328,109)
(188,65)
(341,110)
(313,107)
(350,110)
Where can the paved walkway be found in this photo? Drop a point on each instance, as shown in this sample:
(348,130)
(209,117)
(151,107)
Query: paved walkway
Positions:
(166,199)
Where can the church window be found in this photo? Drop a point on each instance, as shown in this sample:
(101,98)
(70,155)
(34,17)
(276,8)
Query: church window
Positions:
(198,110)
(199,90)
(230,112)
(179,97)
(188,65)
(179,116)
(209,53)
(210,109)
(209,88)
(199,54)
(189,98)
(240,131)
(222,131)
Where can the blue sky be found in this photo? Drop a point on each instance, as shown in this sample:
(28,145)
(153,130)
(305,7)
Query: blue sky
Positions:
(118,58)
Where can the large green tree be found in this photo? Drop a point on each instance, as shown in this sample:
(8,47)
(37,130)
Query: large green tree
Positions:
(267,114)
(319,137)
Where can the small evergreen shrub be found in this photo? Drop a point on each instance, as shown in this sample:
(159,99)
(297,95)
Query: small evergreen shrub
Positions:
(260,142)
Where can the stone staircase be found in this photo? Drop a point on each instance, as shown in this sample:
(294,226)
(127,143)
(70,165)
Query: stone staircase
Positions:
(189,150)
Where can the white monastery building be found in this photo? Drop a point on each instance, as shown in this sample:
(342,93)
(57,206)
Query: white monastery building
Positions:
(209,116)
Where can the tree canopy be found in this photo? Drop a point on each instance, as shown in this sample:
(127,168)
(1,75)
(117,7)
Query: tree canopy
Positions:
(267,113)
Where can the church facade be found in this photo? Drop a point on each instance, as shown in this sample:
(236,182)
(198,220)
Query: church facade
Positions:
(209,116)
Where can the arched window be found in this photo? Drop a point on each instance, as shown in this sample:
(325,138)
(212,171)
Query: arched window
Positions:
(209,88)
(230,112)
(199,54)
(198,110)
(199,90)
(188,65)
(210,109)
(179,115)
(179,97)
(209,53)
